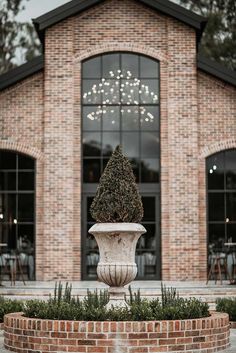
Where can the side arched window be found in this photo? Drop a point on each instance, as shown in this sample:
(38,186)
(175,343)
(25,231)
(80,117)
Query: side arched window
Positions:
(221,190)
(17,209)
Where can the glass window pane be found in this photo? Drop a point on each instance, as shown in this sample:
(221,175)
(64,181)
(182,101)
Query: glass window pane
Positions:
(150,145)
(25,241)
(111,119)
(9,207)
(92,144)
(92,91)
(130,118)
(216,207)
(150,171)
(111,65)
(7,160)
(92,68)
(135,163)
(91,170)
(149,239)
(129,92)
(25,162)
(110,92)
(216,236)
(3,235)
(26,181)
(92,118)
(149,118)
(215,162)
(149,206)
(130,144)
(7,181)
(231,180)
(130,65)
(231,206)
(110,141)
(215,179)
(149,91)
(230,160)
(148,68)
(146,263)
(90,240)
(25,208)
(89,203)
(231,232)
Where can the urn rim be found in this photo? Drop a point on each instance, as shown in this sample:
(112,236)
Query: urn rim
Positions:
(117,228)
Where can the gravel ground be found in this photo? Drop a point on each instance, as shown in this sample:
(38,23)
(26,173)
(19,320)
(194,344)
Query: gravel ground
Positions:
(232,349)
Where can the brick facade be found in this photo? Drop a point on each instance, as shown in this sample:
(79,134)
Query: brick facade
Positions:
(201,335)
(41,117)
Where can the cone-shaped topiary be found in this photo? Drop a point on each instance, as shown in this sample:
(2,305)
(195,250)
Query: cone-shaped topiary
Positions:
(117,198)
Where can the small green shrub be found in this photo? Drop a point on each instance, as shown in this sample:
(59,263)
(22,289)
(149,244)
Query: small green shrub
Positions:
(93,307)
(227,305)
(117,198)
(8,306)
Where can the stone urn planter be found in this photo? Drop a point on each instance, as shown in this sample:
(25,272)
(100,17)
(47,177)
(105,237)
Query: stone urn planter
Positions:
(117,208)
(117,268)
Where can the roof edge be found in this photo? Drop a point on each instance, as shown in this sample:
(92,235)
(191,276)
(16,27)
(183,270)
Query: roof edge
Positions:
(76,6)
(21,72)
(216,69)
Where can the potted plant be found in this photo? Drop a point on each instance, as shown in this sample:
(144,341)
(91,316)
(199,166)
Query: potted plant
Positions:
(117,208)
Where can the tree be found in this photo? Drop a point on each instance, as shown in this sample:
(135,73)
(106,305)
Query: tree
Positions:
(219,38)
(18,41)
(117,198)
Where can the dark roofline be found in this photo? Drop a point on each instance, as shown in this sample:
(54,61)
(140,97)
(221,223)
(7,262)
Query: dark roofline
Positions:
(76,6)
(18,74)
(215,69)
(21,72)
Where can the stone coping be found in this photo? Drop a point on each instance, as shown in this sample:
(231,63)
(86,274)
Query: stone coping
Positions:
(206,335)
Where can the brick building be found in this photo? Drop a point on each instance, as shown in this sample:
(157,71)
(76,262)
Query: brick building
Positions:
(129,72)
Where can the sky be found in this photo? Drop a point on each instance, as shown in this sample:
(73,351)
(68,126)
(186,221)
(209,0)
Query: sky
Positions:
(35,8)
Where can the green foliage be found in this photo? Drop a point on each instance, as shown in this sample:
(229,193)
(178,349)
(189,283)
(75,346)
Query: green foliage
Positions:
(227,305)
(219,37)
(117,198)
(93,307)
(18,41)
(8,306)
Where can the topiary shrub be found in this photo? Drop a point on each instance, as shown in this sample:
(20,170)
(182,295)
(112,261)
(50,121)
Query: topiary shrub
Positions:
(117,198)
(8,306)
(227,305)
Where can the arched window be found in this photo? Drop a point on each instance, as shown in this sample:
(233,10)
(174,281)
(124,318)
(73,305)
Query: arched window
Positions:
(221,189)
(120,105)
(17,204)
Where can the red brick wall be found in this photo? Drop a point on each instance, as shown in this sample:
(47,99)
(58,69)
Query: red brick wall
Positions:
(192,106)
(23,335)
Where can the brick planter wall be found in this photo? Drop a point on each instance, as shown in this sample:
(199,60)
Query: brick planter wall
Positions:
(33,335)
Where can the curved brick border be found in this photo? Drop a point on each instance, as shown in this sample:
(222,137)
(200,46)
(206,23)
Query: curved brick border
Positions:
(21,147)
(206,335)
(217,147)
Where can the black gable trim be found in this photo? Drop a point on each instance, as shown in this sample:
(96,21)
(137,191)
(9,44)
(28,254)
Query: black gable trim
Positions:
(19,73)
(76,6)
(218,70)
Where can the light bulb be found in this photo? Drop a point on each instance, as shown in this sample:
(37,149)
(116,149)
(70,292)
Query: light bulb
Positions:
(1,216)
(15,221)
(214,167)
(211,171)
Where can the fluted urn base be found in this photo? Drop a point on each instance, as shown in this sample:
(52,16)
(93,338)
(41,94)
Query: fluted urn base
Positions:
(117,268)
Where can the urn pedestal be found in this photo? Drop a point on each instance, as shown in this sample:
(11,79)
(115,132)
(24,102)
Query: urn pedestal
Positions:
(117,268)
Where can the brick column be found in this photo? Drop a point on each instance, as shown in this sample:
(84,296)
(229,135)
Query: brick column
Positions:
(58,153)
(183,250)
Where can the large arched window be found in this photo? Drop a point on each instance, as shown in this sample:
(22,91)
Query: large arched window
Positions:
(17,204)
(120,105)
(221,189)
